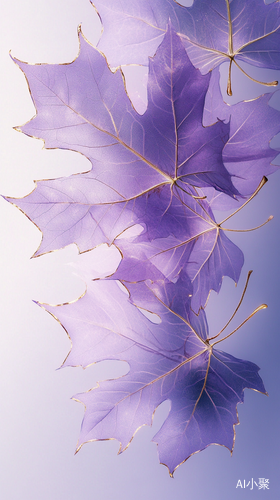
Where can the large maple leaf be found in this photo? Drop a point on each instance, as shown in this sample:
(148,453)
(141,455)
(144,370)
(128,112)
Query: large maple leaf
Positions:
(168,359)
(213,31)
(146,169)
(151,170)
(83,106)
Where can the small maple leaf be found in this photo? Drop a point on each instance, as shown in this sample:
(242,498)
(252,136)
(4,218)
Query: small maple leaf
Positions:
(247,154)
(198,245)
(213,31)
(169,360)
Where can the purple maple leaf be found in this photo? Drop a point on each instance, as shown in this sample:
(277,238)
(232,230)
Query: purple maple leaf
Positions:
(149,169)
(168,359)
(213,31)
(154,170)
(83,106)
(194,243)
(247,154)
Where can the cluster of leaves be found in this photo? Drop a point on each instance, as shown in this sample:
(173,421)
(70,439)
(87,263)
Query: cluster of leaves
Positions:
(155,180)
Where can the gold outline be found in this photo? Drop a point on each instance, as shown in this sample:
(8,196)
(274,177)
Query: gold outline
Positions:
(230,55)
(208,348)
(213,227)
(169,180)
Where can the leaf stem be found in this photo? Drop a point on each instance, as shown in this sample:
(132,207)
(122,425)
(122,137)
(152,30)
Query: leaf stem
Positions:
(267,84)
(229,90)
(263,306)
(230,48)
(261,184)
(230,43)
(248,230)
(236,309)
(189,194)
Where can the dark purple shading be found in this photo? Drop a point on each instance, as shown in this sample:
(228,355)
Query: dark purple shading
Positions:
(84,107)
(190,427)
(247,154)
(167,360)
(199,247)
(176,140)
(70,210)
(179,233)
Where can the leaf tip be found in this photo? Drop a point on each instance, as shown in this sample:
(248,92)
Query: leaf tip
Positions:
(77,449)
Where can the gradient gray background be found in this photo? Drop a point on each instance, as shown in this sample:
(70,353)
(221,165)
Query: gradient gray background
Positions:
(39,422)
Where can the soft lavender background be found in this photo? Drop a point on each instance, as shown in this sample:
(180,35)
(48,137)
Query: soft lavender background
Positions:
(39,422)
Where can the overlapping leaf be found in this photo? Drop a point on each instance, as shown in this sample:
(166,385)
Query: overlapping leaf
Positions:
(153,170)
(84,107)
(198,246)
(168,360)
(247,154)
(144,168)
(212,31)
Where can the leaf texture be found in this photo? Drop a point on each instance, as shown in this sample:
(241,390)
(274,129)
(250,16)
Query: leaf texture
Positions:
(143,166)
(162,172)
(147,169)
(83,106)
(212,31)
(199,247)
(169,360)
